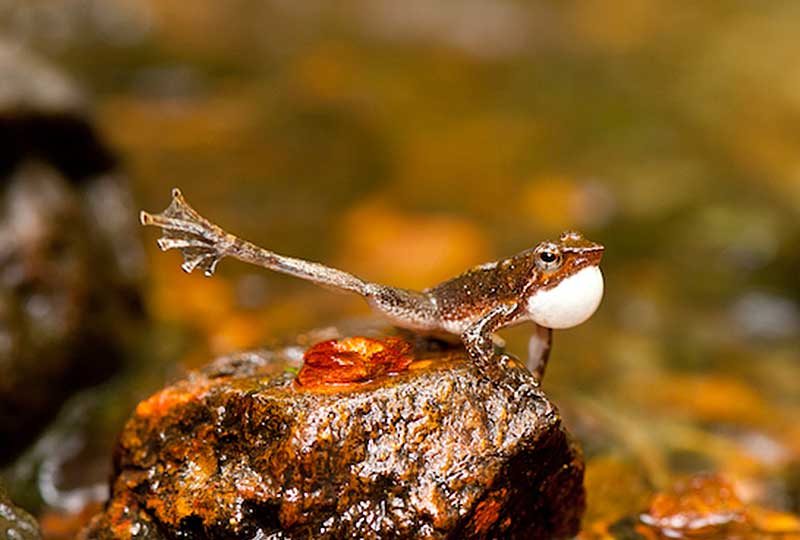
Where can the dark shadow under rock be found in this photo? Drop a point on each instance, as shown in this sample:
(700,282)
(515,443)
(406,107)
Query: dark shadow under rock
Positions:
(428,451)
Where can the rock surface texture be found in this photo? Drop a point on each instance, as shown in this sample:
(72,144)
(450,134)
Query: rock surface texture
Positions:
(426,450)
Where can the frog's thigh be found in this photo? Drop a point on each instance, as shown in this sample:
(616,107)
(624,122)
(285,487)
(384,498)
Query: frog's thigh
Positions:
(404,308)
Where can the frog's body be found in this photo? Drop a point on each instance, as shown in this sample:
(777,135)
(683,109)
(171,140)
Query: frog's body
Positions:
(554,285)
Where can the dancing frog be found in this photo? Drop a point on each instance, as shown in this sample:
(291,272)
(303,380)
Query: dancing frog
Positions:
(557,284)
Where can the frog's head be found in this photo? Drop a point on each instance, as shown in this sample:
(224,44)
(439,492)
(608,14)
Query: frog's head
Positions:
(567,285)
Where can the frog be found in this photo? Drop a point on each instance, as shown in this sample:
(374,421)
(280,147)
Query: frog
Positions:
(557,284)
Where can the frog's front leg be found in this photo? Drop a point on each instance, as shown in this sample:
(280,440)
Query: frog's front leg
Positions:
(477,337)
(539,350)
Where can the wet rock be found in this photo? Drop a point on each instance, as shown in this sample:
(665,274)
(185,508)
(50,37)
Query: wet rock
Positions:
(67,468)
(705,507)
(405,442)
(701,505)
(67,292)
(15,523)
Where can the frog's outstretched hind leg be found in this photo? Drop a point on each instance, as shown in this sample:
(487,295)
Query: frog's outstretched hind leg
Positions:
(201,242)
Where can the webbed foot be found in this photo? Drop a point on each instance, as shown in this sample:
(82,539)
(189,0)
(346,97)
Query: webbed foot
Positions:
(201,242)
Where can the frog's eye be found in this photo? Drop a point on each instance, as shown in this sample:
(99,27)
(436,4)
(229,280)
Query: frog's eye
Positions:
(548,258)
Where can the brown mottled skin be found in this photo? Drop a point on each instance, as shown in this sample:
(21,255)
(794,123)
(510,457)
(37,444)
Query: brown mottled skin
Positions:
(510,280)
(473,305)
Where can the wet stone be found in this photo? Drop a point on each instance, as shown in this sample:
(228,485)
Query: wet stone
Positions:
(402,443)
(15,523)
(70,260)
(705,507)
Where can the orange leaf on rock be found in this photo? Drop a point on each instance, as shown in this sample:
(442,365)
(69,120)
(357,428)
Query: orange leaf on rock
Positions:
(352,360)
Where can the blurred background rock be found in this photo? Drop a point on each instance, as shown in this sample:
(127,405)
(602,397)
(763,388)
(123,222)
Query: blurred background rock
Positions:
(70,262)
(407,141)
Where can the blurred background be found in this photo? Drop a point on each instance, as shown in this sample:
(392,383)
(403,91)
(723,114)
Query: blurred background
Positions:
(407,141)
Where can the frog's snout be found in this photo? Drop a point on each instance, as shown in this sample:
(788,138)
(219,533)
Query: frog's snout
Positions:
(572,242)
(594,254)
